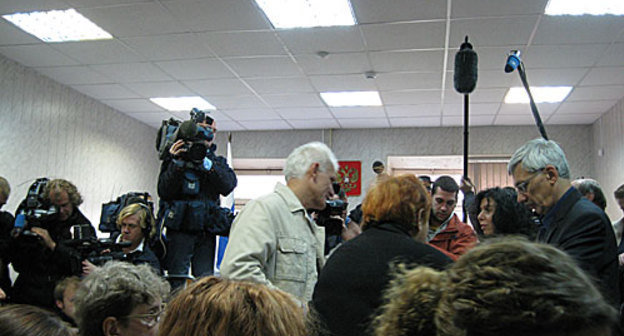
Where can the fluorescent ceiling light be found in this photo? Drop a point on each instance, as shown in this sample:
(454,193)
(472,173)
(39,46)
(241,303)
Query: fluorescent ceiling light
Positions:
(58,26)
(583,7)
(307,13)
(183,103)
(541,94)
(351,98)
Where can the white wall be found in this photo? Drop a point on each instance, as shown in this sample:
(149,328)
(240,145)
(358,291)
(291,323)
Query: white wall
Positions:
(608,137)
(49,129)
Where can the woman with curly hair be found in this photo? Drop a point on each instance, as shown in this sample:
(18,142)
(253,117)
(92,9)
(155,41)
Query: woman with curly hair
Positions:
(499,213)
(216,306)
(506,286)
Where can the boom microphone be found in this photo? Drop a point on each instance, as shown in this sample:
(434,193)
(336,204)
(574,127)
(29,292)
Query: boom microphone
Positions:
(513,60)
(465,76)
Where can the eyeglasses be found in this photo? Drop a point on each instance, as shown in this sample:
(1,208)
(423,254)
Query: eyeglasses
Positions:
(150,319)
(523,186)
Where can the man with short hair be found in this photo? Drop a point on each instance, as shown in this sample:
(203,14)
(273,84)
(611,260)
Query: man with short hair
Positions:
(274,240)
(64,294)
(591,190)
(120,299)
(44,259)
(446,231)
(618,226)
(569,221)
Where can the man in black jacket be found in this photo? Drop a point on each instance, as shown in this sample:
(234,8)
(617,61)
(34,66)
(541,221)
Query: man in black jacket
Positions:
(569,221)
(6,225)
(43,258)
(189,189)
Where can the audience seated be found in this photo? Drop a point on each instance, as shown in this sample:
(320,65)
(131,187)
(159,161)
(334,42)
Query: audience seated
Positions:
(349,290)
(504,287)
(120,299)
(498,212)
(216,306)
(26,320)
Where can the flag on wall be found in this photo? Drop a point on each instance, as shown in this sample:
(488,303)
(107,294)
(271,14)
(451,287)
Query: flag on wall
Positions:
(350,177)
(226,202)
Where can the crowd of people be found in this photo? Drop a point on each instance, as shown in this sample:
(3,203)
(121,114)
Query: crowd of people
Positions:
(539,258)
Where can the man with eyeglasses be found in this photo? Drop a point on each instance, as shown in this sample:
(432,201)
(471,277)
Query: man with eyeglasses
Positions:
(120,299)
(446,231)
(569,221)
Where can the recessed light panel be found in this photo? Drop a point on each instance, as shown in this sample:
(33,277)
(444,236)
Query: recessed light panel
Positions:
(58,26)
(351,98)
(183,103)
(286,14)
(541,94)
(584,7)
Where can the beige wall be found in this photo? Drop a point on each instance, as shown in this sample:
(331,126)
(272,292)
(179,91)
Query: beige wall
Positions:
(608,154)
(49,129)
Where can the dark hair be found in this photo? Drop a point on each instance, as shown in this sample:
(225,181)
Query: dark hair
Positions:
(619,192)
(589,186)
(510,217)
(446,183)
(25,320)
(425,178)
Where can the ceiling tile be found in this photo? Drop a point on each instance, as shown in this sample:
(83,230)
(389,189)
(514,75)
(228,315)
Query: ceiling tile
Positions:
(237,102)
(492,32)
(613,56)
(132,105)
(218,87)
(280,85)
(256,43)
(264,66)
(201,16)
(331,83)
(169,47)
(10,34)
(132,72)
(410,97)
(230,126)
(314,124)
(596,93)
(294,100)
(595,107)
(555,77)
(160,89)
(98,52)
(474,109)
(521,109)
(558,56)
(398,81)
(37,55)
(96,3)
(364,123)
(251,114)
(575,119)
(13,6)
(426,60)
(150,117)
(74,75)
(515,119)
(473,120)
(304,113)
(404,36)
(358,112)
(604,76)
(266,125)
(133,20)
(204,68)
(479,95)
(415,122)
(348,63)
(569,29)
(105,91)
(422,110)
(329,39)
(480,8)
(491,79)
(374,11)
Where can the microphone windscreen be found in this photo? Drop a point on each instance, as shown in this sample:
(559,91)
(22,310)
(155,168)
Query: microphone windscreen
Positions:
(187,130)
(465,76)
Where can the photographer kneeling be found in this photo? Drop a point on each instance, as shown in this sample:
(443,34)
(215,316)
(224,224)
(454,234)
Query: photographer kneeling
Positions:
(38,251)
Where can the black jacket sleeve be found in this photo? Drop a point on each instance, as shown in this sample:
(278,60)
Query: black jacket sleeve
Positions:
(221,177)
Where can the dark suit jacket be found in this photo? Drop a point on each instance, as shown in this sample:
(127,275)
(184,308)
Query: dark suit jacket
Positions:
(351,284)
(584,231)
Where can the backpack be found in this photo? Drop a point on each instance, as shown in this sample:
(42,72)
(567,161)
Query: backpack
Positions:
(166,136)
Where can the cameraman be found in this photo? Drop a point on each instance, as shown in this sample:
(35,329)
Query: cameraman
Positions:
(338,226)
(42,258)
(189,189)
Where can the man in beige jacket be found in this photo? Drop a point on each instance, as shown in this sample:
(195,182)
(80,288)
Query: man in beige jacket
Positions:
(273,239)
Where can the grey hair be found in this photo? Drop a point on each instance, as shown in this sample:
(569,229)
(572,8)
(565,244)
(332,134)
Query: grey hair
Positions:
(587,186)
(114,290)
(537,154)
(5,188)
(303,156)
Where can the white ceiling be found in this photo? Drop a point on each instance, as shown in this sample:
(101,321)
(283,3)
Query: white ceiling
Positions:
(260,78)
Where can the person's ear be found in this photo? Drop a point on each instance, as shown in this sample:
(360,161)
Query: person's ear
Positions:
(109,326)
(314,170)
(552,175)
(59,304)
